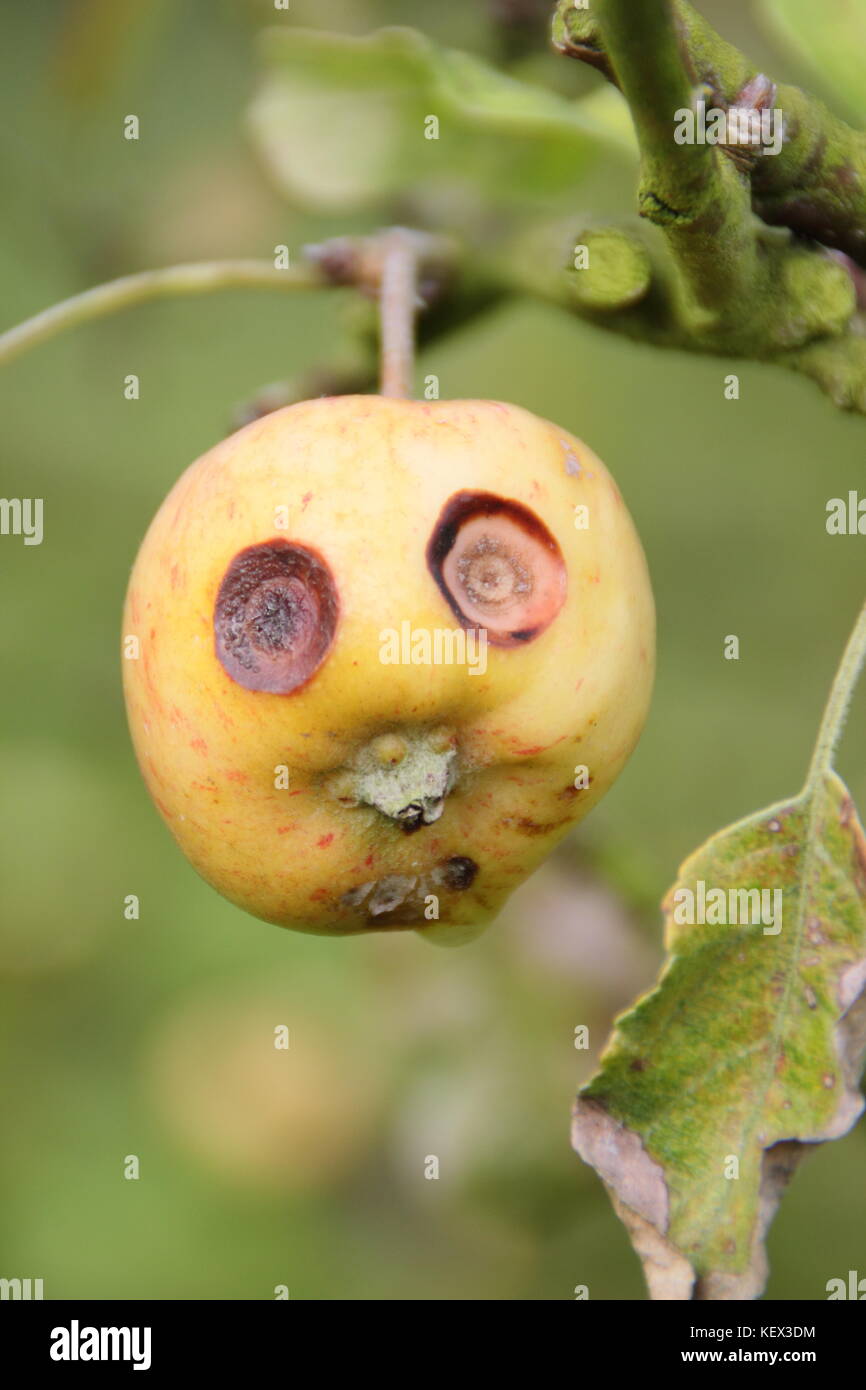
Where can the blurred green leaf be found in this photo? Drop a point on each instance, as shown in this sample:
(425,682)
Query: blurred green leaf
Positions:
(343,122)
(831,39)
(607,108)
(95,38)
(747,1048)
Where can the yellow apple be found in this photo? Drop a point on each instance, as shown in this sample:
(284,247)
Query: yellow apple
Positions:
(388,653)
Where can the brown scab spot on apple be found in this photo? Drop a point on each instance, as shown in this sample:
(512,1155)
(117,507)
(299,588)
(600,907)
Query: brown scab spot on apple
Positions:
(275,616)
(497,566)
(535,827)
(570,792)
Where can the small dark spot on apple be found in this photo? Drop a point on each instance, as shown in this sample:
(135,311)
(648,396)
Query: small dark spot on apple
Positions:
(459,872)
(411,818)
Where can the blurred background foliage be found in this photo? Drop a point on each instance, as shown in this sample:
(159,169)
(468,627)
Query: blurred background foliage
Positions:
(155,1037)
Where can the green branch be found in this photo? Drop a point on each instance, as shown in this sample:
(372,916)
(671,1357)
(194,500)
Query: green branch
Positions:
(691,191)
(816,185)
(644,47)
(723,279)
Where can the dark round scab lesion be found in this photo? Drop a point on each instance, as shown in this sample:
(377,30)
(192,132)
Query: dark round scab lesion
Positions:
(275,616)
(498,567)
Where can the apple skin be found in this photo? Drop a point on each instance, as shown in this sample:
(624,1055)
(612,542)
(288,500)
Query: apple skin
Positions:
(361,481)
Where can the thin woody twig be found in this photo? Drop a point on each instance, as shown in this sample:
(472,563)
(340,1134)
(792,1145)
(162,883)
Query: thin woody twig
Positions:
(198,278)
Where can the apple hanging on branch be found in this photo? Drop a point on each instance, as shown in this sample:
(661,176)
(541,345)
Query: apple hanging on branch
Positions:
(391,651)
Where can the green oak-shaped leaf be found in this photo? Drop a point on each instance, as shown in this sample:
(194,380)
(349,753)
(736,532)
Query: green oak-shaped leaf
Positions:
(748,1048)
(831,40)
(342,122)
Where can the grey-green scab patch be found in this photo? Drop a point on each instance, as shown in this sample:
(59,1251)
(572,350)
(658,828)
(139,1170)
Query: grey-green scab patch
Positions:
(390,893)
(402,898)
(412,793)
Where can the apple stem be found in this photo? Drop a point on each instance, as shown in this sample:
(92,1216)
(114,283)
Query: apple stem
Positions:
(398,306)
